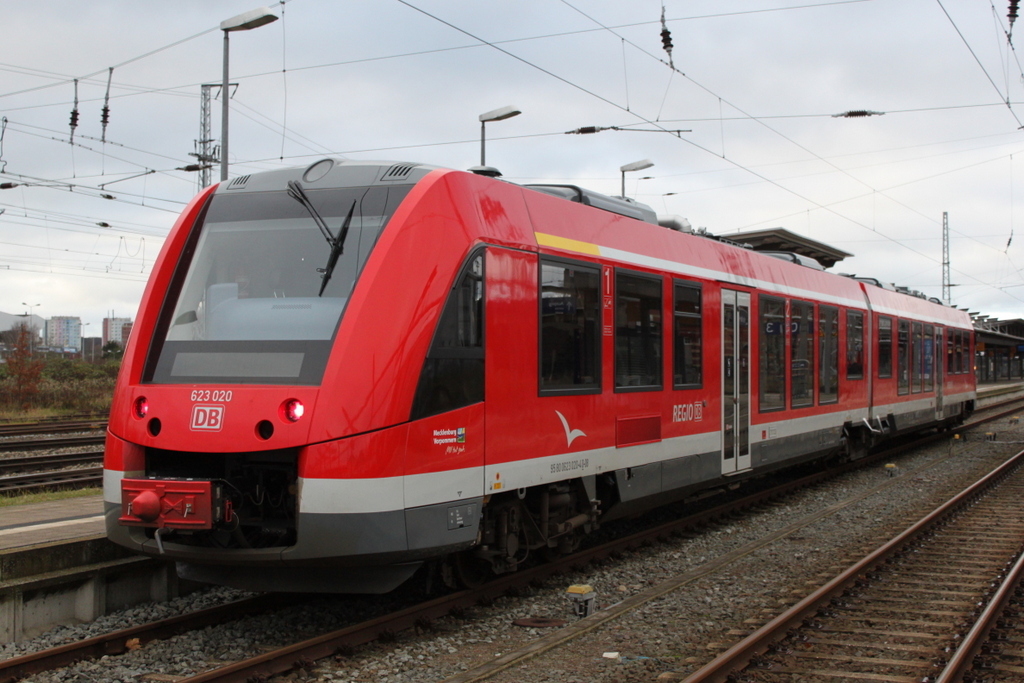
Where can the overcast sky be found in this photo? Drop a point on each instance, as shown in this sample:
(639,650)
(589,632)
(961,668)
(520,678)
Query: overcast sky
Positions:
(755,84)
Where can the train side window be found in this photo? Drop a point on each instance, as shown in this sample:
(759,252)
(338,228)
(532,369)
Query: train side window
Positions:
(854,345)
(929,358)
(884,347)
(687,336)
(570,328)
(772,350)
(903,357)
(950,354)
(453,372)
(802,358)
(638,332)
(958,353)
(828,354)
(915,359)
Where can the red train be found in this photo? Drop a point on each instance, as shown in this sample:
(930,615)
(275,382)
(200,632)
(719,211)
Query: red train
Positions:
(341,372)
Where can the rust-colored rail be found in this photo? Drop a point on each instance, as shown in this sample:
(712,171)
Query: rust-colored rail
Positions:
(119,642)
(740,655)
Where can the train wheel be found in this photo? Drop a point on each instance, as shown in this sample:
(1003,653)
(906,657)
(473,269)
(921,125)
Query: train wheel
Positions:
(468,570)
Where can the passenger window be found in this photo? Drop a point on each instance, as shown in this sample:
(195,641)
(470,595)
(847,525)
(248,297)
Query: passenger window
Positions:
(929,358)
(916,379)
(828,354)
(903,357)
(802,358)
(854,345)
(570,327)
(638,332)
(772,350)
(884,347)
(958,361)
(950,354)
(453,372)
(687,336)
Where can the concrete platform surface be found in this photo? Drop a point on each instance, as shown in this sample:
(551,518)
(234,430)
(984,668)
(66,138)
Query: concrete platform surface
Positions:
(58,520)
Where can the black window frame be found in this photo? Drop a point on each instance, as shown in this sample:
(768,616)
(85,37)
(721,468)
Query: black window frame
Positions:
(854,344)
(903,357)
(884,347)
(681,358)
(828,352)
(778,352)
(928,358)
(916,357)
(808,337)
(443,358)
(657,363)
(595,385)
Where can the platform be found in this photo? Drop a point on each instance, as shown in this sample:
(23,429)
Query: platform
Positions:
(59,520)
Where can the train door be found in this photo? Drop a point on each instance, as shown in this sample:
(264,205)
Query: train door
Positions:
(735,381)
(939,368)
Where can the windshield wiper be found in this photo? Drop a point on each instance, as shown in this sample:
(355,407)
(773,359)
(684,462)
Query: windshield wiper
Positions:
(296,192)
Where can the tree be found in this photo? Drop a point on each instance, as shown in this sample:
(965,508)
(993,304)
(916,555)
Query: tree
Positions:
(23,367)
(112,350)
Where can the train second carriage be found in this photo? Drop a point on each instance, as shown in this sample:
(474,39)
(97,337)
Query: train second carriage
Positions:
(340,373)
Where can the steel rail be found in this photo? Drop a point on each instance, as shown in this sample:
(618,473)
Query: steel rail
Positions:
(25,429)
(51,442)
(722,667)
(962,660)
(40,481)
(37,462)
(118,642)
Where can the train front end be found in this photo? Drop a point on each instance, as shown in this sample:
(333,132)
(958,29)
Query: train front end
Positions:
(223,399)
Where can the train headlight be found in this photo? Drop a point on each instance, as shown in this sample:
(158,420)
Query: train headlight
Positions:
(293,409)
(140,407)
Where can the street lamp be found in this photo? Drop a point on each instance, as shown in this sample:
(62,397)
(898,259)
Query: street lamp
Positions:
(31,329)
(635,166)
(495,115)
(243,22)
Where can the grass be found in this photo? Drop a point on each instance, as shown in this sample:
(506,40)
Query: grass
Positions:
(47,496)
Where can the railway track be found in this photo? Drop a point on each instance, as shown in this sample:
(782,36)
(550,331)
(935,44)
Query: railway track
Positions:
(898,613)
(56,426)
(33,482)
(38,444)
(425,612)
(36,463)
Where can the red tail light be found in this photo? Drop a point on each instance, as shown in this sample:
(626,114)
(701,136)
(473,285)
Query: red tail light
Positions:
(293,409)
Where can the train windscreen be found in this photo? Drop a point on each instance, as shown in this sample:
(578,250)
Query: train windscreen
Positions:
(266,285)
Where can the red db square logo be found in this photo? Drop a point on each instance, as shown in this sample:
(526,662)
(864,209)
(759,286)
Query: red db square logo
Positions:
(207,418)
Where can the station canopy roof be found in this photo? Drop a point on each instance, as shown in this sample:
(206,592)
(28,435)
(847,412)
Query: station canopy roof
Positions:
(780,239)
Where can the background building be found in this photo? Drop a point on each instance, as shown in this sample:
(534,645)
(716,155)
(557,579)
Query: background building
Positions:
(116,329)
(64,333)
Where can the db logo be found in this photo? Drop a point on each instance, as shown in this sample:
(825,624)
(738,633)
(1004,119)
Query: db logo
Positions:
(207,418)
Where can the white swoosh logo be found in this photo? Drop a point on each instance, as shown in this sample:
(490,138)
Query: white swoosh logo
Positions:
(570,435)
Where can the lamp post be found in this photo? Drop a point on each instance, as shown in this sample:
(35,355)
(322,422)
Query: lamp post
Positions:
(495,115)
(243,22)
(635,166)
(31,328)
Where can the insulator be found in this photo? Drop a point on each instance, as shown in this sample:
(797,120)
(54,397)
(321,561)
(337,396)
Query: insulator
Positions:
(666,39)
(105,116)
(1012,14)
(74,118)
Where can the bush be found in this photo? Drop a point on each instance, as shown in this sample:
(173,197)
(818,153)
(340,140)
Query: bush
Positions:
(61,384)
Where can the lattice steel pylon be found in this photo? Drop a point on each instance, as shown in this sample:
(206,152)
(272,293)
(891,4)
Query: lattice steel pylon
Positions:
(946,286)
(206,154)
